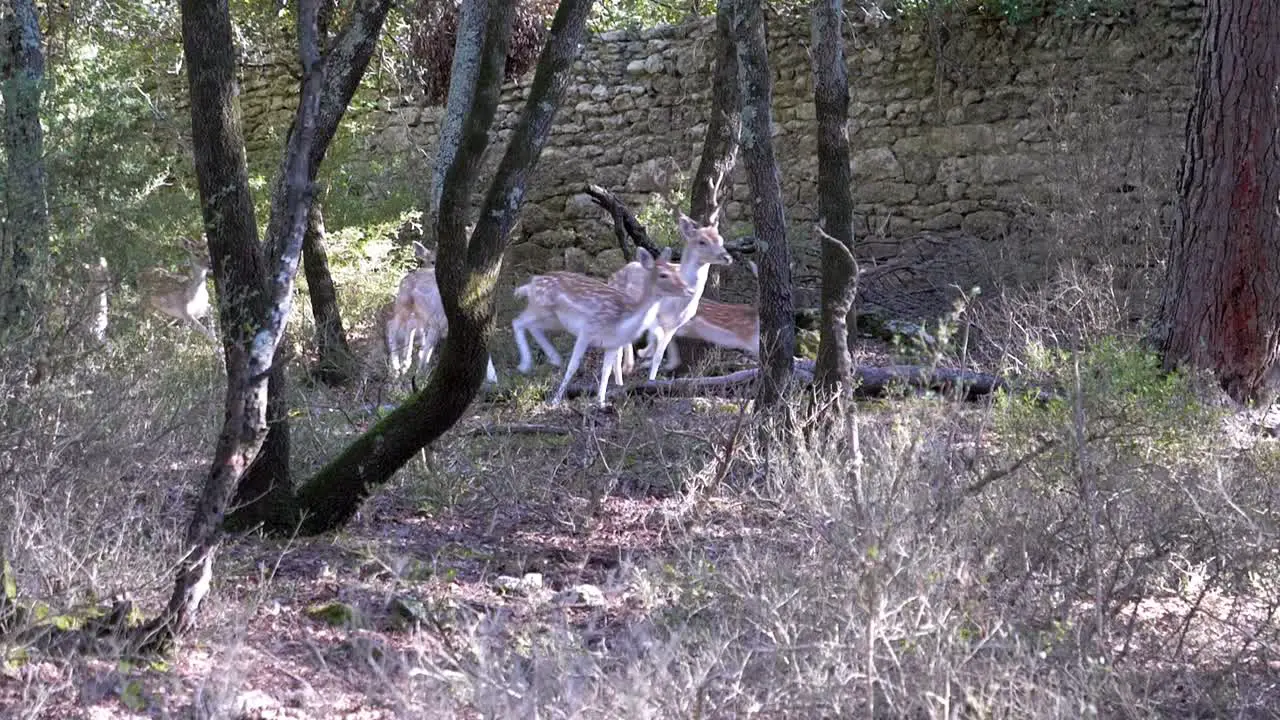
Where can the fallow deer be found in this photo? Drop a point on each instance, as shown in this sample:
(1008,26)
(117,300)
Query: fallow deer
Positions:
(418,313)
(97,287)
(728,325)
(703,248)
(597,313)
(184,297)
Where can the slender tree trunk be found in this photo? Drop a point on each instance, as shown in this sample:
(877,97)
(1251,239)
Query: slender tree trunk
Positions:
(777,314)
(266,490)
(24,253)
(254,315)
(720,145)
(336,364)
(835,205)
(1221,305)
(467,272)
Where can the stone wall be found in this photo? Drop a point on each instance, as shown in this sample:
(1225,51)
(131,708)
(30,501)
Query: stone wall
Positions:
(978,131)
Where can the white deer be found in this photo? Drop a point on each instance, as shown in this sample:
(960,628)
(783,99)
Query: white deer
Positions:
(597,313)
(703,248)
(418,314)
(183,297)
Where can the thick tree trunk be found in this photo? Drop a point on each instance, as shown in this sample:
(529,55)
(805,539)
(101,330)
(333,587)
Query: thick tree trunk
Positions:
(24,246)
(1221,305)
(467,272)
(335,363)
(255,309)
(720,145)
(777,314)
(268,483)
(835,205)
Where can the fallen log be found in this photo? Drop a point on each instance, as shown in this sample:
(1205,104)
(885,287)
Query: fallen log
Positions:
(870,382)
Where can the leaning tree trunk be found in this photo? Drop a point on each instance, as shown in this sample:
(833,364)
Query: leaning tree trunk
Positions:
(1221,304)
(467,272)
(335,365)
(25,249)
(777,314)
(266,491)
(835,205)
(253,308)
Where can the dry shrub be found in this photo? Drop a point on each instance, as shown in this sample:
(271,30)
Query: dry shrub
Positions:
(434,33)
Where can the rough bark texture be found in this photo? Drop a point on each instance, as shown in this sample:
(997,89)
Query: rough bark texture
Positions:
(24,246)
(720,144)
(335,364)
(835,204)
(777,328)
(253,309)
(267,490)
(467,272)
(1221,307)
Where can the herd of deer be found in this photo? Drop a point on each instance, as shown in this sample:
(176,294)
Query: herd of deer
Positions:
(648,296)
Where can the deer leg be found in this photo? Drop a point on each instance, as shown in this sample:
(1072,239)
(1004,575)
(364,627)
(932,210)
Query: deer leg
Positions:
(610,364)
(619,363)
(430,337)
(662,338)
(553,356)
(673,354)
(579,349)
(519,326)
(491,375)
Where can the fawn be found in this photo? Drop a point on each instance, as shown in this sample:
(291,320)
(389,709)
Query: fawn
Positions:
(597,313)
(185,298)
(703,247)
(418,312)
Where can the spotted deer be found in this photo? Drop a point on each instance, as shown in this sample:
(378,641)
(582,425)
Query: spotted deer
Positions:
(597,313)
(703,248)
(728,325)
(418,315)
(185,298)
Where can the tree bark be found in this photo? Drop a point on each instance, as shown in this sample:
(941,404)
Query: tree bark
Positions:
(777,328)
(24,246)
(267,489)
(720,144)
(835,204)
(467,272)
(253,308)
(1221,304)
(335,363)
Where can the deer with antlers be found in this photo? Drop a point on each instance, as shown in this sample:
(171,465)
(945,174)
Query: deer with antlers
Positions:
(597,313)
(418,315)
(183,297)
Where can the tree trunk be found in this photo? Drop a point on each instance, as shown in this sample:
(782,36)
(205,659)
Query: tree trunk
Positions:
(467,272)
(835,205)
(777,321)
(720,145)
(267,482)
(24,246)
(253,308)
(1221,304)
(335,363)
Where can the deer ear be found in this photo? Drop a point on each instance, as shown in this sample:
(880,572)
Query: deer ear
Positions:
(420,251)
(646,260)
(666,255)
(687,226)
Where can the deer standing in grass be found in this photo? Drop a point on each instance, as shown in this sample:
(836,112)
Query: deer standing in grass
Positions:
(703,248)
(597,313)
(418,313)
(185,298)
(98,286)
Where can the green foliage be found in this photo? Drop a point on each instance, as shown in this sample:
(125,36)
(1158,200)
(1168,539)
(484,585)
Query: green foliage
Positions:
(1120,402)
(116,160)
(658,216)
(1014,12)
(638,14)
